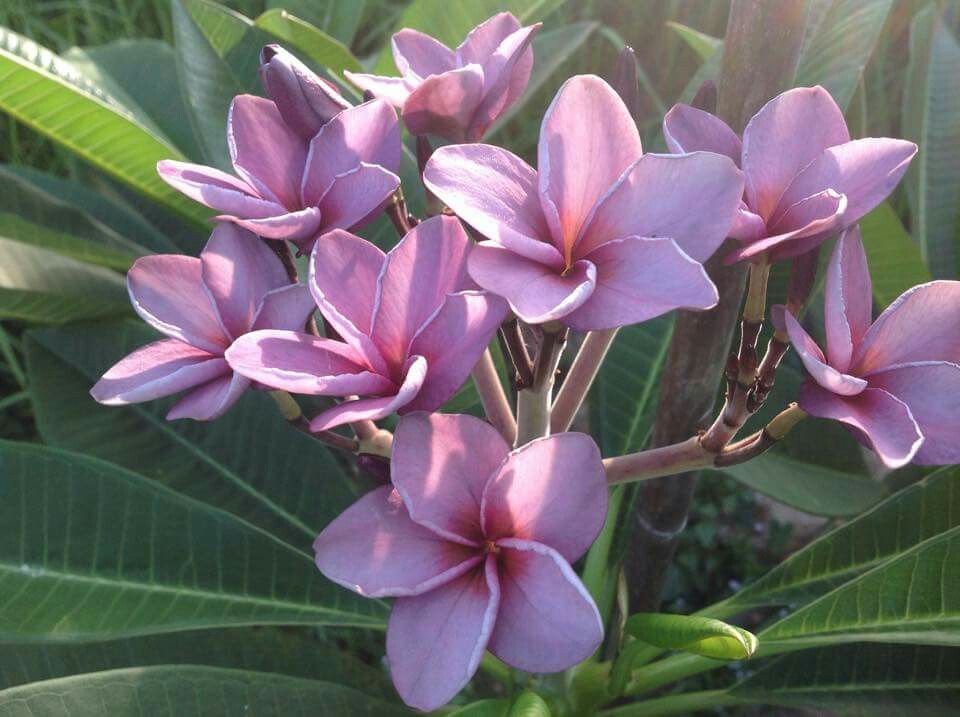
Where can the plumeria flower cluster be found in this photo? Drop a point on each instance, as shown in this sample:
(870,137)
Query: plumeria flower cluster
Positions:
(475,536)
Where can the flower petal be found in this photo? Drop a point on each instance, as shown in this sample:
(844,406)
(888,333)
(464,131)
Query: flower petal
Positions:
(158,369)
(483,40)
(921,325)
(878,417)
(931,389)
(452,342)
(786,135)
(552,490)
(587,140)
(417,55)
(813,360)
(300,363)
(368,133)
(865,170)
(440,465)
(638,279)
(376,550)
(355,197)
(547,620)
(459,618)
(394,90)
(747,226)
(505,76)
(288,308)
(265,151)
(691,198)
(495,192)
(211,400)
(535,292)
(217,189)
(848,299)
(168,293)
(373,409)
(418,273)
(238,269)
(295,226)
(444,104)
(688,129)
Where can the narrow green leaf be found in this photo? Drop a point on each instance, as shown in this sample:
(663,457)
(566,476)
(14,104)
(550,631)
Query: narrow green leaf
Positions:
(40,90)
(907,518)
(529,704)
(860,679)
(334,17)
(248,462)
(931,118)
(91,551)
(699,635)
(318,45)
(190,691)
(701,43)
(895,259)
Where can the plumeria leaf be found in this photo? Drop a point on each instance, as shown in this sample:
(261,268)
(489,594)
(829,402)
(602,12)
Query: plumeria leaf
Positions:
(191,691)
(326,51)
(529,704)
(699,635)
(92,551)
(701,43)
(896,261)
(484,708)
(338,19)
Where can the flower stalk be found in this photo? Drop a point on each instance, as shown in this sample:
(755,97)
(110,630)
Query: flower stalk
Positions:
(580,378)
(533,403)
(292,414)
(492,396)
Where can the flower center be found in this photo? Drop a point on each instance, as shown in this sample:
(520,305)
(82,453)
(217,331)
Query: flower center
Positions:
(491,547)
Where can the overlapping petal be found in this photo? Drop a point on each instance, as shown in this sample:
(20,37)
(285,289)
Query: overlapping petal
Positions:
(211,400)
(356,196)
(295,226)
(505,76)
(816,364)
(848,299)
(417,55)
(688,129)
(288,307)
(445,104)
(217,190)
(484,40)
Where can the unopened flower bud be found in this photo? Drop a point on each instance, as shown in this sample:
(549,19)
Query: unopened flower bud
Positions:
(626,82)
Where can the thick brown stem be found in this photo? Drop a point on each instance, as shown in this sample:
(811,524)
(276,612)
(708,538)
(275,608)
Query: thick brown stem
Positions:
(290,410)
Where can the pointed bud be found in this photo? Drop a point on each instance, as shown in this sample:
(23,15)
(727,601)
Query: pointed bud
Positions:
(306,101)
(626,81)
(706,97)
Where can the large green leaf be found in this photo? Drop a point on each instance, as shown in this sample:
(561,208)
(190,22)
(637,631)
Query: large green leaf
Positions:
(91,551)
(41,90)
(907,518)
(860,680)
(701,43)
(189,691)
(260,649)
(895,259)
(319,46)
(335,17)
(40,285)
(931,118)
(249,462)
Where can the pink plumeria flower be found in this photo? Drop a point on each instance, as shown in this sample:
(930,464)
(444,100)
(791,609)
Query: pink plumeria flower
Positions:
(457,94)
(805,179)
(603,236)
(475,541)
(237,285)
(412,325)
(288,187)
(896,382)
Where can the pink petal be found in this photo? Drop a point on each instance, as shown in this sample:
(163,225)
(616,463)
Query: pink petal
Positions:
(815,363)
(495,192)
(368,133)
(373,409)
(300,363)
(747,226)
(878,417)
(691,199)
(288,308)
(638,279)
(786,135)
(295,226)
(238,269)
(452,342)
(418,55)
(848,299)
(418,273)
(394,90)
(483,40)
(357,196)
(505,75)
(921,325)
(444,104)
(440,465)
(348,305)
(865,170)
(168,293)
(535,292)
(211,400)
(931,389)
(552,490)
(687,129)
(265,151)
(376,550)
(587,140)
(458,618)
(217,190)
(159,369)
(547,621)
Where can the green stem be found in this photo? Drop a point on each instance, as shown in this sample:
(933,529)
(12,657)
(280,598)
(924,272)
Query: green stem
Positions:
(674,704)
(10,356)
(13,399)
(670,669)
(533,404)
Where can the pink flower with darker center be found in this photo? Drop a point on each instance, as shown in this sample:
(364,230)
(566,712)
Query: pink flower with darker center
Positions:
(806,180)
(602,235)
(475,541)
(457,94)
(894,382)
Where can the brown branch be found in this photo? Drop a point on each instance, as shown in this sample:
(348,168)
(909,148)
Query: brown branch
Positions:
(517,351)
